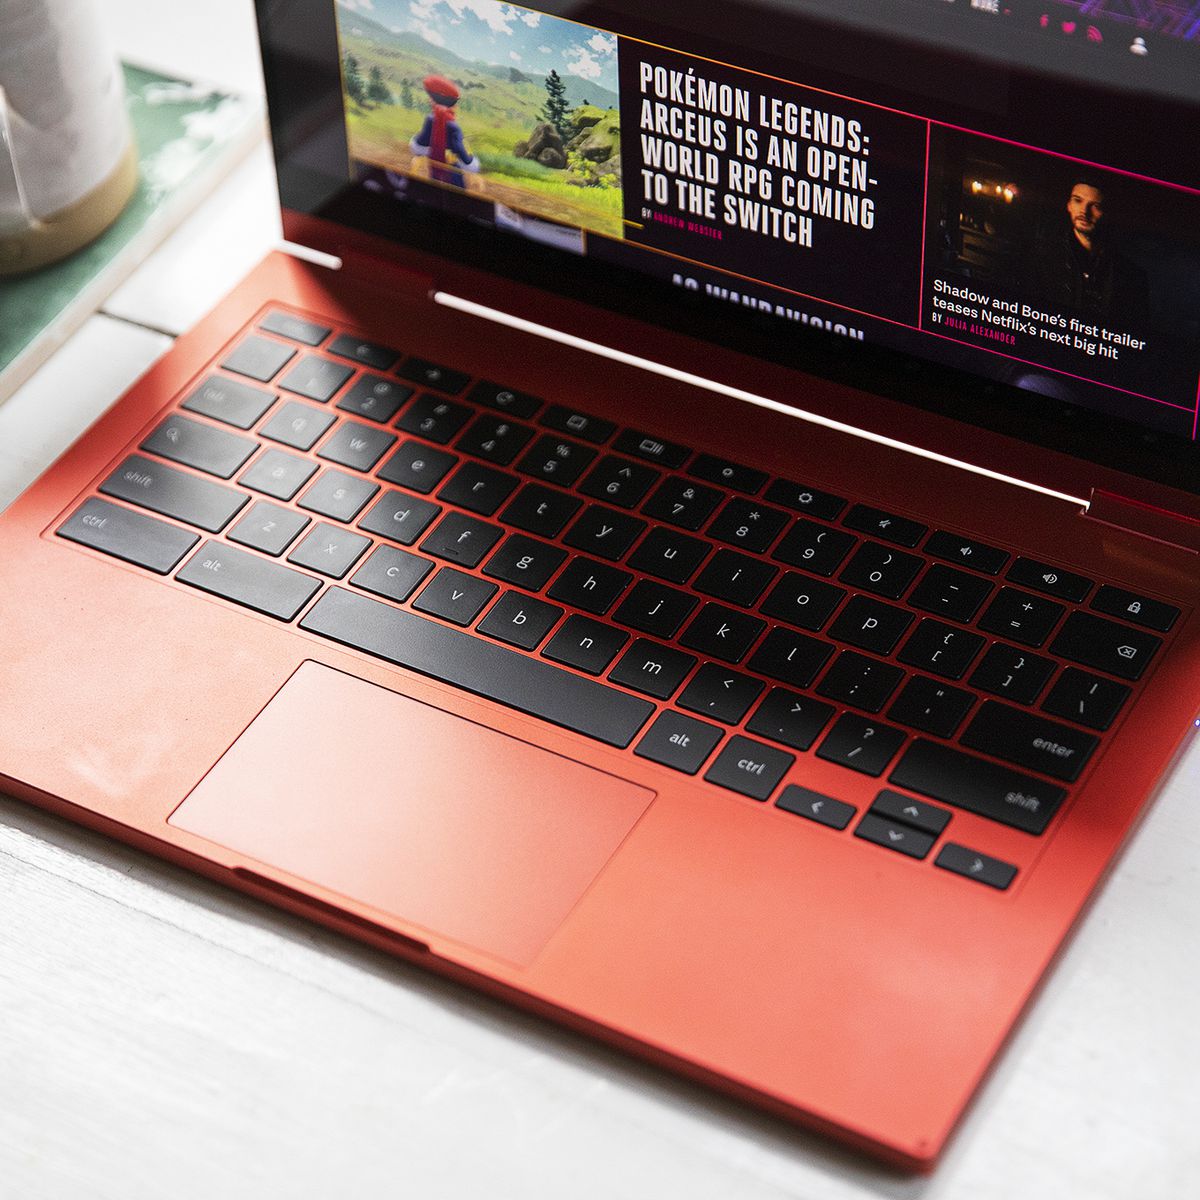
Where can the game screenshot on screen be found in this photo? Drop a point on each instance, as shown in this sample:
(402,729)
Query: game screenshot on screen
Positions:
(1014,260)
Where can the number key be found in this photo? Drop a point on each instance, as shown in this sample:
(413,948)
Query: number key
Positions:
(680,502)
(814,547)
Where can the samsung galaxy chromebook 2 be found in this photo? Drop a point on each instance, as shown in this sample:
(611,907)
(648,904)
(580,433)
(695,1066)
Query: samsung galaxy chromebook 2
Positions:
(713,560)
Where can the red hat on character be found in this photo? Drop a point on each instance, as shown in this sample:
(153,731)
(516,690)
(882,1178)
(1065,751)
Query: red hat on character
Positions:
(441,90)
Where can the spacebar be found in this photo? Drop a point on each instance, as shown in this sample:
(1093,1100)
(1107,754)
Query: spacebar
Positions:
(526,684)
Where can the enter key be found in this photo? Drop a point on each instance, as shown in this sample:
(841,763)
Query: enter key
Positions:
(1030,741)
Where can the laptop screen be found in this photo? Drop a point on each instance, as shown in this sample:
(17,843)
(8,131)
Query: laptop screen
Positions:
(1005,192)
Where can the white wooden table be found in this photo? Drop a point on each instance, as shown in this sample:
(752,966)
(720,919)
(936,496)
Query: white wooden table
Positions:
(163,1037)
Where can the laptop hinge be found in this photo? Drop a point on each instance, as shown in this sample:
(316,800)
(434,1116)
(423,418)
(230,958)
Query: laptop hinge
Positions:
(1145,520)
(367,269)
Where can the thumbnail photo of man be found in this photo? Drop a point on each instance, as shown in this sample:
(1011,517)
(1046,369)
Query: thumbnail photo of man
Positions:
(1080,265)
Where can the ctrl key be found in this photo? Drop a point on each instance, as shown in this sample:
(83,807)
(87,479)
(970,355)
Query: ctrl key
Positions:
(749,767)
(134,537)
(972,864)
(679,742)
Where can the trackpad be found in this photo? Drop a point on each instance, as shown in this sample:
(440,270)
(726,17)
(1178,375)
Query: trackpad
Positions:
(474,835)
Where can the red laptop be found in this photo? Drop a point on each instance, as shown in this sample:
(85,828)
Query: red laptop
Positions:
(711,554)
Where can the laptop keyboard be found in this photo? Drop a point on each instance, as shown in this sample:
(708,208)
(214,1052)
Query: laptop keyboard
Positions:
(702,614)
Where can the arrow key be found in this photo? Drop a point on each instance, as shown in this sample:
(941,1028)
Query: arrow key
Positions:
(897,807)
(825,810)
(895,837)
(972,864)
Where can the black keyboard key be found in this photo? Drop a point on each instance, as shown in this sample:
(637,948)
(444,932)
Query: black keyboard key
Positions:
(952,594)
(298,425)
(751,526)
(679,742)
(194,444)
(590,585)
(455,595)
(652,668)
(878,569)
(287,325)
(1141,610)
(941,649)
(966,552)
(174,493)
(478,488)
(871,625)
(655,450)
(249,579)
(416,467)
(825,810)
(898,530)
(316,378)
(1086,699)
(680,502)
(814,547)
(655,609)
(1012,673)
(1021,616)
(127,535)
(728,474)
(355,445)
(749,767)
(860,682)
(802,499)
(720,693)
(429,374)
(790,718)
(399,517)
(895,806)
(391,573)
(338,495)
(986,788)
(514,404)
(668,555)
(237,404)
(268,527)
(520,620)
(735,577)
(540,510)
(973,865)
(258,358)
(790,657)
(719,632)
(376,398)
(495,439)
(1105,645)
(330,550)
(370,354)
(1054,581)
(557,460)
(481,667)
(1030,741)
(861,744)
(931,706)
(901,838)
(433,418)
(526,562)
(585,644)
(578,424)
(619,481)
(604,532)
(802,601)
(461,539)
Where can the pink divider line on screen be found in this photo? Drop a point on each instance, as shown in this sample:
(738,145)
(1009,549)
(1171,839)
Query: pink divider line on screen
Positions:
(1087,162)
(1196,415)
(924,234)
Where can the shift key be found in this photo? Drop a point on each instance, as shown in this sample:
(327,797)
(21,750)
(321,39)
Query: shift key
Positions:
(987,788)
(174,493)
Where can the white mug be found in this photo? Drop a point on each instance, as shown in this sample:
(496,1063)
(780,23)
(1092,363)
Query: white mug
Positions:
(67,161)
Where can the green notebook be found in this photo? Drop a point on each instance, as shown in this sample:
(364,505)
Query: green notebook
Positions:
(188,137)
